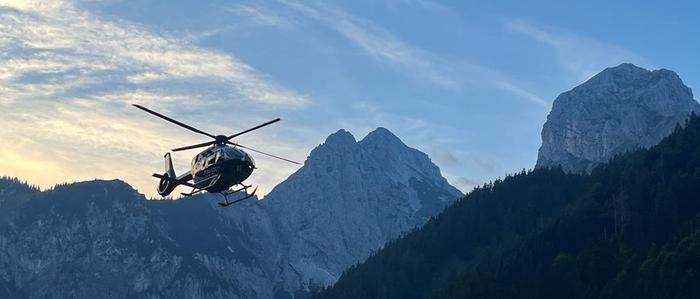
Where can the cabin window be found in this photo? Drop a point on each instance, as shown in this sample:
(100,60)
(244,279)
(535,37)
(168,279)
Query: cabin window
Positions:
(225,154)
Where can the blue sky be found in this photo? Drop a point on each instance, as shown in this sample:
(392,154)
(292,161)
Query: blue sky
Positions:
(468,82)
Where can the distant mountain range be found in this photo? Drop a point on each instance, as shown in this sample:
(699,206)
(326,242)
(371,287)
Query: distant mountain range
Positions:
(629,229)
(101,239)
(380,214)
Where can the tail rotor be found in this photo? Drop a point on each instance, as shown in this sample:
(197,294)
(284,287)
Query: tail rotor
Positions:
(167,181)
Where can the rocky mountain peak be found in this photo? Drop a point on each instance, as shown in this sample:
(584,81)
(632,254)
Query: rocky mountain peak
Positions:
(382,136)
(379,151)
(338,145)
(624,70)
(620,109)
(339,138)
(629,76)
(347,201)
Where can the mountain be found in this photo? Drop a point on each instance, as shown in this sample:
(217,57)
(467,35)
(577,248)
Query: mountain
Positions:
(89,239)
(630,229)
(620,109)
(101,239)
(348,200)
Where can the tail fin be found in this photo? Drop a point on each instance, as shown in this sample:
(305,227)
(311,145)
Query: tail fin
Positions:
(167,180)
(169,170)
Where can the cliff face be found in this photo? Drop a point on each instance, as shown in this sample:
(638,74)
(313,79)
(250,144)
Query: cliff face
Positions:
(102,239)
(620,109)
(348,200)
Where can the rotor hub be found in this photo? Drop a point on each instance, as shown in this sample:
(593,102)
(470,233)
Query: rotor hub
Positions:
(221,139)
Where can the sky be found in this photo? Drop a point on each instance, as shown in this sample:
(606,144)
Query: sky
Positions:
(468,82)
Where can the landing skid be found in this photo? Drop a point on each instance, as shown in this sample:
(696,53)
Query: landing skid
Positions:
(243,189)
(193,192)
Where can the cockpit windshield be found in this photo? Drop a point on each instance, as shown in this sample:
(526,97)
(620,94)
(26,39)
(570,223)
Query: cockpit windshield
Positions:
(214,155)
(230,153)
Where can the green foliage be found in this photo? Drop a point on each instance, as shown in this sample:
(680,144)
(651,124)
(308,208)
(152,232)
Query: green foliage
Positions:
(547,234)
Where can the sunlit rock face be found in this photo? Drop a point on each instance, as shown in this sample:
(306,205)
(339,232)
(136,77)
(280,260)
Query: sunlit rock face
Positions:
(102,239)
(348,200)
(620,109)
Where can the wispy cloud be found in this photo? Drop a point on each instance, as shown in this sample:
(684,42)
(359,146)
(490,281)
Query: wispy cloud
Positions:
(425,5)
(523,93)
(259,14)
(379,42)
(67,76)
(580,55)
(60,40)
(386,47)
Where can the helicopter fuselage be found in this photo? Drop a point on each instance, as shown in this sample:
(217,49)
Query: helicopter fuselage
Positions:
(220,167)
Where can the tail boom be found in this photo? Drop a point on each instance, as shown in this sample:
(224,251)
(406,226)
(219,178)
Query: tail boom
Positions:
(168,180)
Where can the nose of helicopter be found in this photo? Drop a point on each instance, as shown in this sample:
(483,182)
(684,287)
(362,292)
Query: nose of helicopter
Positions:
(250,160)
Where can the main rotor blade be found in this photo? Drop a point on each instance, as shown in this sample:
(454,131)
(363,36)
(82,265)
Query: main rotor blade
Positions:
(191,128)
(253,128)
(261,152)
(208,143)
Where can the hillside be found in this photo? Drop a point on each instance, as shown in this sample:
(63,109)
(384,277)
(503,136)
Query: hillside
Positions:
(628,230)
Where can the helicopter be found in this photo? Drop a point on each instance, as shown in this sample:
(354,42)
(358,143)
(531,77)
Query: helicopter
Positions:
(222,165)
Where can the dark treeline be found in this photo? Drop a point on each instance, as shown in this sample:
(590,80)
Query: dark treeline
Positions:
(13,184)
(631,229)
(13,193)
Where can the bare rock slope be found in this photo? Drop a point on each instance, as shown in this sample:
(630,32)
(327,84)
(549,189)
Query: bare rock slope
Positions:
(620,109)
